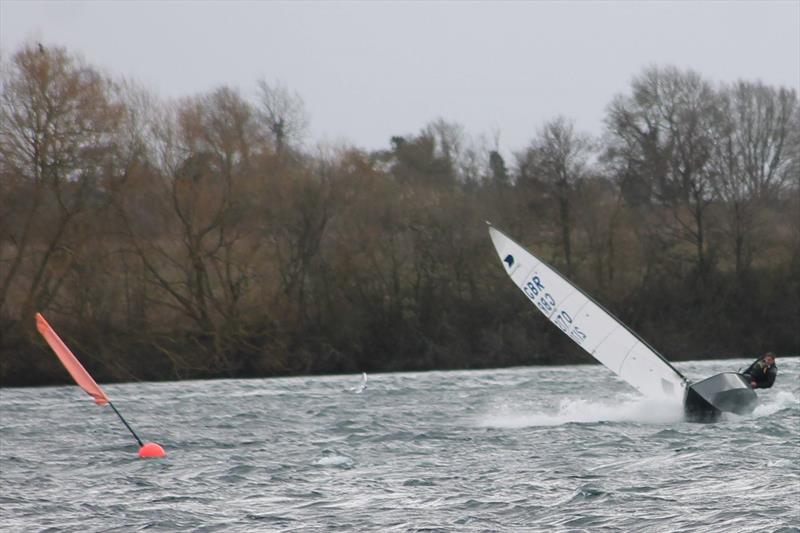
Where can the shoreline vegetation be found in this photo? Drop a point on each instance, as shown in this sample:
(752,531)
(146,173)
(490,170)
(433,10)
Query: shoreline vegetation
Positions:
(203,238)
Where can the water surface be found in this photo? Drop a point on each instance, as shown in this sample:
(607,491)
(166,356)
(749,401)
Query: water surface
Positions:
(521,449)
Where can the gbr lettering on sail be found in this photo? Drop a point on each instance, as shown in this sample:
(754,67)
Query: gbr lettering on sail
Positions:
(537,293)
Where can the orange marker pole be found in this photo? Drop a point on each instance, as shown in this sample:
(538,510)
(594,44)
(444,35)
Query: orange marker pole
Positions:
(87,383)
(135,436)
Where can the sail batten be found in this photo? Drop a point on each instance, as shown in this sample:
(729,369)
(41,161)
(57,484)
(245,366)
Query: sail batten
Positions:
(588,324)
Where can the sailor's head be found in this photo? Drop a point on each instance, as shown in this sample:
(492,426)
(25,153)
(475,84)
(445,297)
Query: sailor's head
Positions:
(769,358)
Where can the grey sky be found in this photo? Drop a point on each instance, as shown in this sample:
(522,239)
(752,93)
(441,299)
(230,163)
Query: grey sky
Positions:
(368,71)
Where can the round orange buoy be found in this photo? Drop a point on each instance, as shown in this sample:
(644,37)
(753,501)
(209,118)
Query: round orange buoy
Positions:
(151,449)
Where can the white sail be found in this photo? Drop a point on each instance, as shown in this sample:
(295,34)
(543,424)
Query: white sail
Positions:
(593,328)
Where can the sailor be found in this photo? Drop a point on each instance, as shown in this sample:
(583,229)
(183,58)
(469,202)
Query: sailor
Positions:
(761,374)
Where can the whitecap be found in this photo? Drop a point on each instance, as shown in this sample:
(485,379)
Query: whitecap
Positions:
(334,460)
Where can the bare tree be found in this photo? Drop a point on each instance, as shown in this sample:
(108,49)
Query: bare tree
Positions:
(466,155)
(558,158)
(283,112)
(793,184)
(58,118)
(200,250)
(751,157)
(665,131)
(305,202)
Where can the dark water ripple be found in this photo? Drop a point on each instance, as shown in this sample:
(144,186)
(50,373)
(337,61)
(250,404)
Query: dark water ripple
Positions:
(523,449)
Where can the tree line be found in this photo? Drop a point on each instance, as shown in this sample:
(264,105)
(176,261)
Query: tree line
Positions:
(200,237)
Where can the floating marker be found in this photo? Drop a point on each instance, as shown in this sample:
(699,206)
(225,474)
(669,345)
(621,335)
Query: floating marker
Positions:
(87,383)
(151,449)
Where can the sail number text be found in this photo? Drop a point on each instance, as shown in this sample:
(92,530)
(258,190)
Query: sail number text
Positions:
(535,291)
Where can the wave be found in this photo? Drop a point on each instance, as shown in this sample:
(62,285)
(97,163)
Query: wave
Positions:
(770,404)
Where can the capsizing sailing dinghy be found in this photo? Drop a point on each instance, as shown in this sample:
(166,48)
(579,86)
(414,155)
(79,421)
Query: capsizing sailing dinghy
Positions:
(615,345)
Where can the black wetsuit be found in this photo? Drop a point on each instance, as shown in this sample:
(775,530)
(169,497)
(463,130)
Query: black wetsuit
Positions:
(762,374)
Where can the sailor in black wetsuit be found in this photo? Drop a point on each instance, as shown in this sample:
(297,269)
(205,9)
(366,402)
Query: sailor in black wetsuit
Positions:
(761,374)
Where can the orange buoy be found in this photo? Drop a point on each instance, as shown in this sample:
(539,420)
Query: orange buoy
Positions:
(151,449)
(87,382)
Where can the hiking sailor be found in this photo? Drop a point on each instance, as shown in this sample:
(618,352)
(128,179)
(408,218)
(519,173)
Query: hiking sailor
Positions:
(761,374)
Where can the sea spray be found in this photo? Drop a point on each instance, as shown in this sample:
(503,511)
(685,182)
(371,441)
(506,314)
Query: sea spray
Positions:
(581,410)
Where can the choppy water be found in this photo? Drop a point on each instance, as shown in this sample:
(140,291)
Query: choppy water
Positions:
(520,449)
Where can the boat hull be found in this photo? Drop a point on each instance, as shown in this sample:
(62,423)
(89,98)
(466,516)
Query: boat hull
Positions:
(729,392)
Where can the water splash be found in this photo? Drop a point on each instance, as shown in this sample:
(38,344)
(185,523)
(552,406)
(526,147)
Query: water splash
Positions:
(361,386)
(770,404)
(578,410)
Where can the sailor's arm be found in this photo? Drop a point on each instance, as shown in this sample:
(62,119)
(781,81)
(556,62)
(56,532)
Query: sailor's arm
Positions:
(771,374)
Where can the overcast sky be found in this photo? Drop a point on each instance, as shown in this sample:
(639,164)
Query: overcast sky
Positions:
(370,70)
